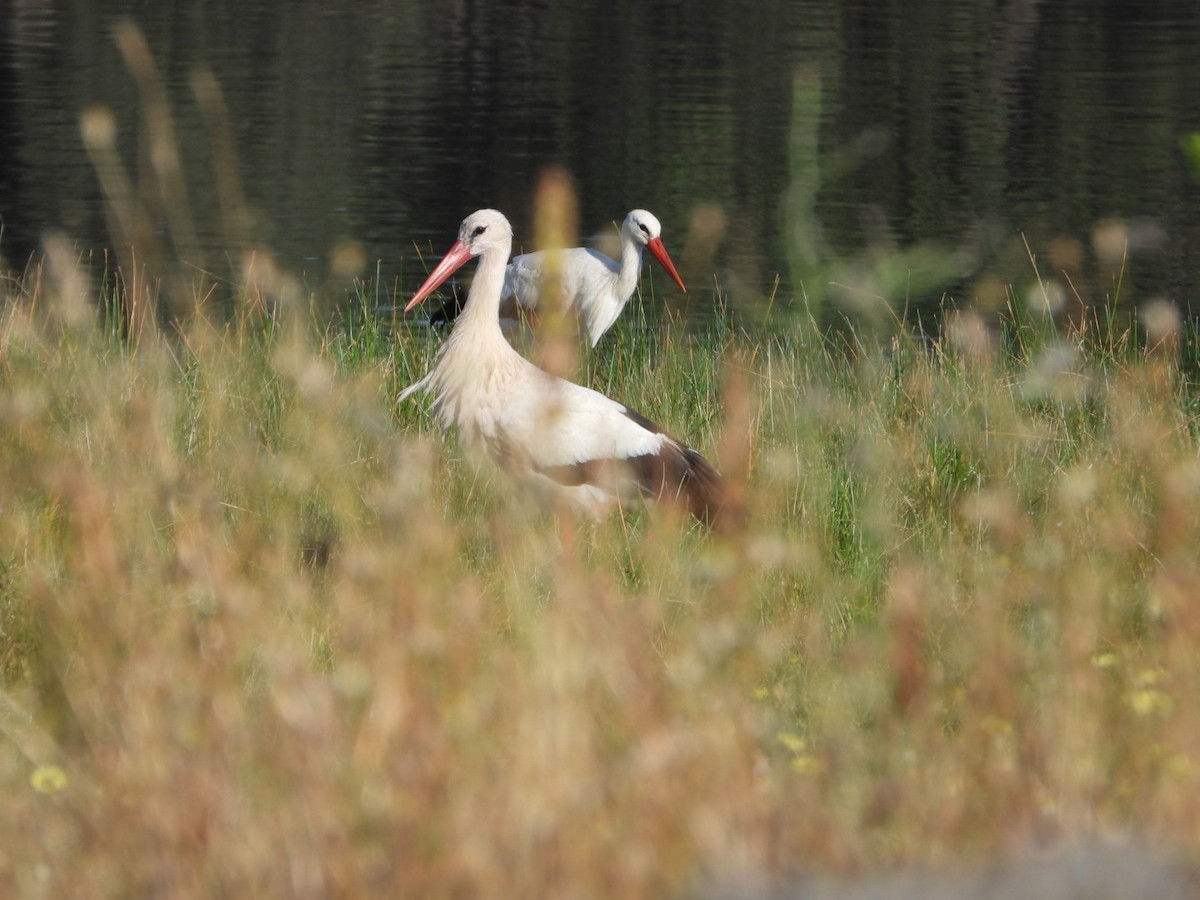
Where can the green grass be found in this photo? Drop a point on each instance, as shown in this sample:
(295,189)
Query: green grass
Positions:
(264,633)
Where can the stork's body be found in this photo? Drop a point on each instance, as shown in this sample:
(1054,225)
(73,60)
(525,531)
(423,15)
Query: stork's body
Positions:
(565,437)
(593,285)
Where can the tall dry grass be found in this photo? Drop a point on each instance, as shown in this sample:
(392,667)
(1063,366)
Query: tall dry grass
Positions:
(262,634)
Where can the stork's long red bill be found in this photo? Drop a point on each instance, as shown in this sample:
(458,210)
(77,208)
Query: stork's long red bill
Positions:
(659,250)
(454,258)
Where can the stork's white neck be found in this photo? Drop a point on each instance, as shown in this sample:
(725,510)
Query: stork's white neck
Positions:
(482,310)
(476,364)
(631,266)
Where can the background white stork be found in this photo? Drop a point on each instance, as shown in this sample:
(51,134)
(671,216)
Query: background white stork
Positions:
(593,285)
(565,437)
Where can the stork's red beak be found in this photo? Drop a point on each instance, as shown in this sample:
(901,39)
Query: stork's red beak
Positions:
(660,253)
(455,257)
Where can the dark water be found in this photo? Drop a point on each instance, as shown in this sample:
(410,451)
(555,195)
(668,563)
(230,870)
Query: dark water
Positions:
(870,156)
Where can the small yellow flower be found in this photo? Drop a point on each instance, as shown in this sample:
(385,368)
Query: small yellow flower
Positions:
(806,765)
(1147,677)
(996,726)
(761,693)
(802,761)
(1179,766)
(792,741)
(48,779)
(1104,660)
(1151,701)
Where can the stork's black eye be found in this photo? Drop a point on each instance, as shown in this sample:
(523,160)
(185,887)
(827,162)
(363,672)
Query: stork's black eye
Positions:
(645,230)
(479,229)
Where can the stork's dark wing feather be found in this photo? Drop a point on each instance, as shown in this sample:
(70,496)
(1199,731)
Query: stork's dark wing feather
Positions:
(576,436)
(675,473)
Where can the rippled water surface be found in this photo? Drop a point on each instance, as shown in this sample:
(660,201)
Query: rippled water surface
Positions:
(867,154)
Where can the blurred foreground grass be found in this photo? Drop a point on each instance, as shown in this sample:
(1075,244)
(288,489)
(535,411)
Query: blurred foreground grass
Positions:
(262,634)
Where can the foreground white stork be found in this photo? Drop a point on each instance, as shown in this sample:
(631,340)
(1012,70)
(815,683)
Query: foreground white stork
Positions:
(565,437)
(593,285)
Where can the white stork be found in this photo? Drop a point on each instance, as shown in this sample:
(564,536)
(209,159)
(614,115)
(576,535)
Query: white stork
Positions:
(567,438)
(593,285)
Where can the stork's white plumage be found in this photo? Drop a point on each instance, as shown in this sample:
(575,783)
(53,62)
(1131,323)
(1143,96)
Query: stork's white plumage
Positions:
(565,437)
(594,286)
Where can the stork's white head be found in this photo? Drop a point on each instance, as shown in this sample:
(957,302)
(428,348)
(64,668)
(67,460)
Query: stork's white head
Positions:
(486,229)
(484,232)
(644,230)
(642,226)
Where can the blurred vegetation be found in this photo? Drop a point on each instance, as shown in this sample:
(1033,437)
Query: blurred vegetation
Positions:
(384,124)
(264,633)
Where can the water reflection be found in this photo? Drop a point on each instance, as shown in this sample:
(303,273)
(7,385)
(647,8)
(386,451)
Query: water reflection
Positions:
(973,128)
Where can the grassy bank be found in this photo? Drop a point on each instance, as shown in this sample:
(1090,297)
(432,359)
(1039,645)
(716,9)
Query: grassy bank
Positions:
(264,634)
